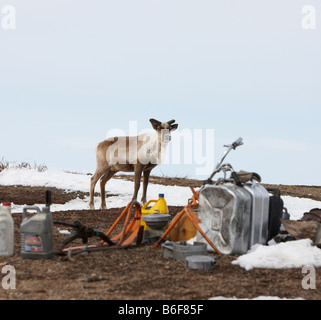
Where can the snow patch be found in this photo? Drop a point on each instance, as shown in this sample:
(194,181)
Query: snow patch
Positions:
(291,254)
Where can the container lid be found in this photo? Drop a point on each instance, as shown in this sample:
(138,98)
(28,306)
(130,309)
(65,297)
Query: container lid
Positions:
(6,204)
(156,217)
(200,262)
(161,195)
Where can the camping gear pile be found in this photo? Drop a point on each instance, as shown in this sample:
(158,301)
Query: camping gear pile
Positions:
(226,216)
(231,214)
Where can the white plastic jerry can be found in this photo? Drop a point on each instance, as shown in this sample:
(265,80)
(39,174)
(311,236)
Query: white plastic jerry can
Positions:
(6,230)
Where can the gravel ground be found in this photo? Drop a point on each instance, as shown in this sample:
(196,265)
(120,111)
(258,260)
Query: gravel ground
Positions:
(138,272)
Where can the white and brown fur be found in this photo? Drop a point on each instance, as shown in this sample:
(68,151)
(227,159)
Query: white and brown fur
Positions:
(138,154)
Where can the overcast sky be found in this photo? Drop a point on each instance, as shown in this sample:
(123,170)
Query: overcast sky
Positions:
(72,70)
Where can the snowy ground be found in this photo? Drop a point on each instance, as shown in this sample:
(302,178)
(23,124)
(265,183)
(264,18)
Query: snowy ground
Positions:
(294,254)
(174,195)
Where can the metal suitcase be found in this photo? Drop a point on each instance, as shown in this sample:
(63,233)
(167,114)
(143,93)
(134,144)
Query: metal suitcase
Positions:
(233,217)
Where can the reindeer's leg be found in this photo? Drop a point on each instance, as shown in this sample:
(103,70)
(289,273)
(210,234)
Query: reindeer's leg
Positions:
(138,174)
(145,184)
(93,182)
(107,176)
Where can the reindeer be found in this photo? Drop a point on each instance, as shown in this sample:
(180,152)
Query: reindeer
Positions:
(138,154)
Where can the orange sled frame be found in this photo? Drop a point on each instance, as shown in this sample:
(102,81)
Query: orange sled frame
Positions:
(132,232)
(189,210)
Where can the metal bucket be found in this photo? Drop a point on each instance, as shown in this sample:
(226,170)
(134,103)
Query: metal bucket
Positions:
(181,249)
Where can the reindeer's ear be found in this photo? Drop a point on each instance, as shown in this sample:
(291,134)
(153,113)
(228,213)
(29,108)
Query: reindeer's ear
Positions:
(155,123)
(174,127)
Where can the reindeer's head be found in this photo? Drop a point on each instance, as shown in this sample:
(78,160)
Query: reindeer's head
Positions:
(164,128)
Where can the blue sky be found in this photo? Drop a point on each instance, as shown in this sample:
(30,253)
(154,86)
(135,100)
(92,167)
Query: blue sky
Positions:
(72,70)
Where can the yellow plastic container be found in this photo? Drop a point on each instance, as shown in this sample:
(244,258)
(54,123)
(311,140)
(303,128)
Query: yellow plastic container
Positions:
(160,206)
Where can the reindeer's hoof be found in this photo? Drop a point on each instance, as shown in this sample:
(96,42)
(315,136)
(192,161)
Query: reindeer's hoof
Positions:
(91,207)
(103,207)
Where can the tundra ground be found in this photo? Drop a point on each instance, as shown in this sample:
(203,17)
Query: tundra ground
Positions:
(139,272)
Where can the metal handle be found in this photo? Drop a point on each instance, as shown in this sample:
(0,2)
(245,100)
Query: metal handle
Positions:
(234,145)
(25,211)
(237,143)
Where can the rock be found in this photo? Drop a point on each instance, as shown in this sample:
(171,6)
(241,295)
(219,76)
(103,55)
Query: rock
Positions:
(92,278)
(302,229)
